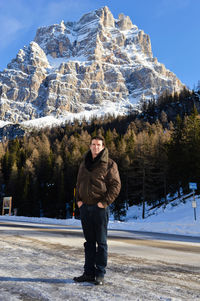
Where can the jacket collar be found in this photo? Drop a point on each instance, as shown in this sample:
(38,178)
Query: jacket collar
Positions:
(102,157)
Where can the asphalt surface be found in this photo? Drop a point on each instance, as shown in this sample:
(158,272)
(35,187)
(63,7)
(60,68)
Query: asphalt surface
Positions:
(166,247)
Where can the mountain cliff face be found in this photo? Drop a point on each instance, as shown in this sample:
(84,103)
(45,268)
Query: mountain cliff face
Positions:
(81,66)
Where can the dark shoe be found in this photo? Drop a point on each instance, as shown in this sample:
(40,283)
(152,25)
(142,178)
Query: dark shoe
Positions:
(99,281)
(84,278)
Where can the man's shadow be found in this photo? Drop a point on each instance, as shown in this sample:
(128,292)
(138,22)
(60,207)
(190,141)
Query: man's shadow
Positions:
(43,280)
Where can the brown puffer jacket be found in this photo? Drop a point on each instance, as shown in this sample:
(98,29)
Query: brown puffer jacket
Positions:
(99,184)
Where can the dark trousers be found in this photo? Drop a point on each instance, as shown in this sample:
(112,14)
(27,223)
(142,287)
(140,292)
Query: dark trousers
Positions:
(94,223)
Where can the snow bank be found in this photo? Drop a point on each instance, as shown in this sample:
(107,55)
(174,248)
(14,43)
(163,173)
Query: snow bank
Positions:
(176,218)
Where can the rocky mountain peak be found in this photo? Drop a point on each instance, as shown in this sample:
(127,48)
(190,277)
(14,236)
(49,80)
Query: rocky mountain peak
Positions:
(124,22)
(32,56)
(106,17)
(82,66)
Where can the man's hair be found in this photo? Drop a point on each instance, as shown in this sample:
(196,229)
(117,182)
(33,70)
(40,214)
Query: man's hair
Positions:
(98,137)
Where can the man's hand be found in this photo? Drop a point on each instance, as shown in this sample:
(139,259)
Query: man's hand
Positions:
(79,203)
(100,205)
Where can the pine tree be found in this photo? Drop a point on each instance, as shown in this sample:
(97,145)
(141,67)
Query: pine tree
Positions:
(6,166)
(176,157)
(191,147)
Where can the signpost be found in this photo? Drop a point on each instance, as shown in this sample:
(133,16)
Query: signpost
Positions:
(7,204)
(194,205)
(193,187)
(74,204)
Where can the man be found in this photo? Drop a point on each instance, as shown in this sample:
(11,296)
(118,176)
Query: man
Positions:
(98,185)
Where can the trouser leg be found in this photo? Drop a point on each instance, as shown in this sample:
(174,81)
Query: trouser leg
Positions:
(90,237)
(94,223)
(101,223)
(90,252)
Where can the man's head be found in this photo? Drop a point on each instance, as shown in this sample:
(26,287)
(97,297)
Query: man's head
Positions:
(96,145)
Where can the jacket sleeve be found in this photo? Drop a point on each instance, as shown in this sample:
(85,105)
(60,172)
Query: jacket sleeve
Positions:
(77,196)
(113,184)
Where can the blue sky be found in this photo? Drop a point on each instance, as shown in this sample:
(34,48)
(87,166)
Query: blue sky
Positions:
(173,26)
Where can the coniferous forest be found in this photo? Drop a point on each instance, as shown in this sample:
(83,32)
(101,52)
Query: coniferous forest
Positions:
(157,151)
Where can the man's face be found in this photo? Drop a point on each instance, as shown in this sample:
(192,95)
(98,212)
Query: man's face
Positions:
(96,147)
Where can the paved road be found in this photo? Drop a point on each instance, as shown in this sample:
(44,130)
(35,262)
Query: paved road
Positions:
(155,246)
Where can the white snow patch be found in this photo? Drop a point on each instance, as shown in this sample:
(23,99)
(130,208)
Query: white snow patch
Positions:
(56,62)
(3,123)
(89,111)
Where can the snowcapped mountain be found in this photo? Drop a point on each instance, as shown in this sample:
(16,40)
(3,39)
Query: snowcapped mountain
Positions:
(96,65)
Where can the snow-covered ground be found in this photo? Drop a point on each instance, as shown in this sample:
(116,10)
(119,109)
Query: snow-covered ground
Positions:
(39,258)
